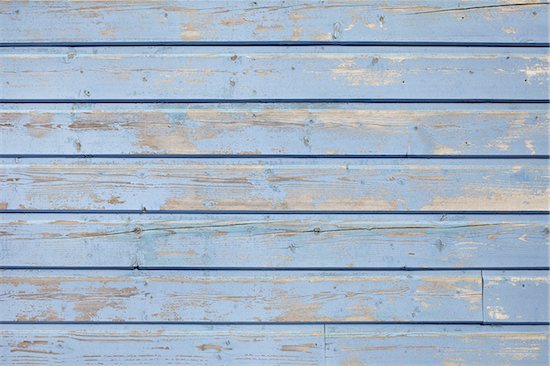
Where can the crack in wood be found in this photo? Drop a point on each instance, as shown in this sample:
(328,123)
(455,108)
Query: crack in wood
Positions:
(478,8)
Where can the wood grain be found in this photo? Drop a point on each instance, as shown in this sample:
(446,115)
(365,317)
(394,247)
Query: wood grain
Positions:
(216,182)
(289,21)
(516,296)
(239,296)
(357,345)
(273,241)
(120,344)
(275,129)
(273,73)
(274,184)
(94,344)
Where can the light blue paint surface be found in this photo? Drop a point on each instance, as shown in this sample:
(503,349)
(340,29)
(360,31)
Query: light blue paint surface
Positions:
(516,296)
(276,129)
(327,21)
(273,73)
(283,184)
(241,296)
(274,240)
(261,287)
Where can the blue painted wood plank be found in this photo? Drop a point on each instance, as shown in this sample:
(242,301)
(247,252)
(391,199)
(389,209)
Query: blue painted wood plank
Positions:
(371,344)
(219,290)
(289,21)
(239,296)
(233,73)
(93,344)
(274,241)
(318,184)
(358,345)
(516,296)
(275,129)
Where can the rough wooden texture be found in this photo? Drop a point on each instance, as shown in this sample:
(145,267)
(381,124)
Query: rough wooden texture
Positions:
(359,345)
(71,344)
(507,21)
(346,345)
(237,240)
(295,129)
(229,73)
(274,241)
(516,296)
(274,184)
(239,296)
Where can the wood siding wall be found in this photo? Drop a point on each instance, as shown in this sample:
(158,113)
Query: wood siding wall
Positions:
(339,182)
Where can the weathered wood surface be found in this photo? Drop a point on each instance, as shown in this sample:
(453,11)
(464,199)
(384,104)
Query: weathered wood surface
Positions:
(274,184)
(358,345)
(239,296)
(92,344)
(274,241)
(229,73)
(346,345)
(305,245)
(295,129)
(516,296)
(523,21)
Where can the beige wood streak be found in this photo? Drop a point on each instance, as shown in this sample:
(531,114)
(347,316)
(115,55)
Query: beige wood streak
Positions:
(239,296)
(317,21)
(94,344)
(351,129)
(275,184)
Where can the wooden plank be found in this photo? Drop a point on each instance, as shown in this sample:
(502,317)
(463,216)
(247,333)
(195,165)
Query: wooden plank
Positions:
(96,344)
(239,296)
(268,73)
(289,21)
(295,129)
(92,344)
(516,296)
(357,345)
(274,241)
(274,184)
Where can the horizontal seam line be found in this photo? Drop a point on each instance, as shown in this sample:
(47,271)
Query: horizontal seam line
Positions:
(281,100)
(270,269)
(271,323)
(272,156)
(244,212)
(277,43)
